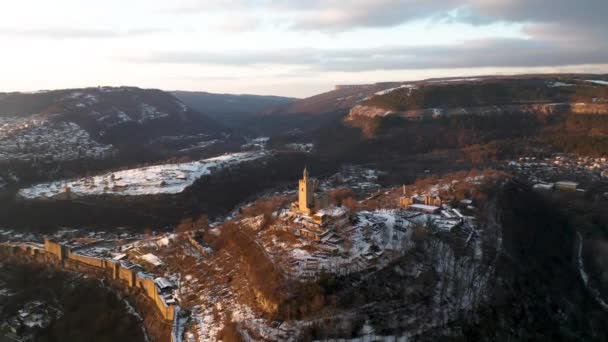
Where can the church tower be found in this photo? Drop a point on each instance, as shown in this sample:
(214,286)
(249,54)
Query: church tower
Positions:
(306,198)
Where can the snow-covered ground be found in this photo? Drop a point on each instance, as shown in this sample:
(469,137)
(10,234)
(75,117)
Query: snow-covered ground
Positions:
(600,82)
(258,143)
(159,179)
(388,91)
(152,259)
(201,145)
(37,314)
(305,147)
(559,84)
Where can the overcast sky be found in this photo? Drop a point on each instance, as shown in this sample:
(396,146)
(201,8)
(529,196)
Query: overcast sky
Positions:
(291,47)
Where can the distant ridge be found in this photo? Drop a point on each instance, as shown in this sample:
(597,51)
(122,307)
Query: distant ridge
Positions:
(230,109)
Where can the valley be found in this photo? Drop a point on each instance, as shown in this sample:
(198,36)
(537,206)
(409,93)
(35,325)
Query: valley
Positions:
(442,209)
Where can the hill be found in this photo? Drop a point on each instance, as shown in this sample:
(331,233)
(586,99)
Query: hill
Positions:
(229,109)
(297,120)
(443,95)
(107,114)
(564,112)
(97,126)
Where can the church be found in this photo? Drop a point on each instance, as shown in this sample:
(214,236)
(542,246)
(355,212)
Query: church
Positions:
(309,200)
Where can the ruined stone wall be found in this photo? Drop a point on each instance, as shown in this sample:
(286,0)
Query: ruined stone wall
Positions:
(149,287)
(80,267)
(54,252)
(126,275)
(54,248)
(9,251)
(91,261)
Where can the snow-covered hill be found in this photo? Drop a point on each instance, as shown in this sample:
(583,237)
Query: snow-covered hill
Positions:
(94,123)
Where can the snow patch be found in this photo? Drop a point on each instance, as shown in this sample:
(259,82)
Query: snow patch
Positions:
(560,84)
(153,259)
(600,82)
(411,87)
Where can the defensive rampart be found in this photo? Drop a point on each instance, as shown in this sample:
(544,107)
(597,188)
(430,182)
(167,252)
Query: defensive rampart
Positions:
(58,253)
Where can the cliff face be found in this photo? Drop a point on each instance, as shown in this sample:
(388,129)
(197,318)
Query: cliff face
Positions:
(490,96)
(362,111)
(536,276)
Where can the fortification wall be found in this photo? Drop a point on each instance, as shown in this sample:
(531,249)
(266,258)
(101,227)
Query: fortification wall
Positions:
(126,275)
(78,266)
(24,251)
(104,267)
(91,261)
(54,248)
(55,253)
(149,287)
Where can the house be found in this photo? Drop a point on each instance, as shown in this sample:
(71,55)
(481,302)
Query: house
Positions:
(423,208)
(405,201)
(566,186)
(163,284)
(320,219)
(433,200)
(313,234)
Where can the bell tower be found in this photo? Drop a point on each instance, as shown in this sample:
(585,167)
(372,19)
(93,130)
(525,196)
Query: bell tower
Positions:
(306,199)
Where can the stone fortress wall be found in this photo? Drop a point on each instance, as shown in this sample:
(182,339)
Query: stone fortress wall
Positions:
(54,252)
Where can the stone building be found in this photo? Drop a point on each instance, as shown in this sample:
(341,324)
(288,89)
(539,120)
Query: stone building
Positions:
(309,201)
(566,186)
(428,200)
(433,200)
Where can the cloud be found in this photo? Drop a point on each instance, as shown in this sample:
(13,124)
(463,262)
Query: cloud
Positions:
(558,33)
(238,24)
(572,22)
(325,15)
(589,11)
(77,33)
(480,53)
(476,53)
(335,15)
(234,58)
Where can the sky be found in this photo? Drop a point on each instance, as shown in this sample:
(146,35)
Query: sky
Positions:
(291,47)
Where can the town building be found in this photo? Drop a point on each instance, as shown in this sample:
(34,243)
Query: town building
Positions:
(566,186)
(406,201)
(423,208)
(433,200)
(320,219)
